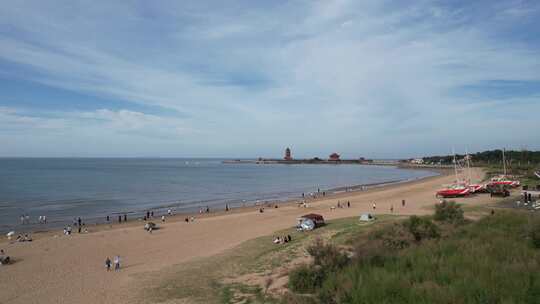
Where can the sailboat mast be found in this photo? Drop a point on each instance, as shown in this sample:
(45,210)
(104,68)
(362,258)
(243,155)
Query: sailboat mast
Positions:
(468,164)
(455,165)
(504,163)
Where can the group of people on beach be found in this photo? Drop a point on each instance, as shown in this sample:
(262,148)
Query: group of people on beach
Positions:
(206,210)
(26,238)
(4,258)
(374,206)
(115,261)
(25,219)
(340,205)
(282,239)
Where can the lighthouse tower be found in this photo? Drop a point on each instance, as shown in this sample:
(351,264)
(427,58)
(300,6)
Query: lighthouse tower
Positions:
(287,154)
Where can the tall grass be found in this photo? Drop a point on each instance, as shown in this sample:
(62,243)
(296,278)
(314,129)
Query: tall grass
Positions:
(489,261)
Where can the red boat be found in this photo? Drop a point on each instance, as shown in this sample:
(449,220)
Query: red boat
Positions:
(477,188)
(454,191)
(505,182)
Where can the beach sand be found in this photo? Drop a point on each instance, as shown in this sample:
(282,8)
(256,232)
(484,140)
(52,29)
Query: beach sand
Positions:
(70,269)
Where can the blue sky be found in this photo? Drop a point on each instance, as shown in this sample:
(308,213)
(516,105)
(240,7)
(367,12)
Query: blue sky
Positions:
(247,78)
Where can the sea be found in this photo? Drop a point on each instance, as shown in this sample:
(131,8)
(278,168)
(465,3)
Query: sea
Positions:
(63,189)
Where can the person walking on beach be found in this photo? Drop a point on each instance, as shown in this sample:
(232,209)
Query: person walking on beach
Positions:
(163,218)
(117,263)
(108,264)
(392,209)
(402,203)
(125,217)
(119,219)
(374,206)
(348,204)
(108,218)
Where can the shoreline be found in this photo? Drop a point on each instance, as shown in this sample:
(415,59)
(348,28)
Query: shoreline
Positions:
(54,267)
(188,211)
(334,193)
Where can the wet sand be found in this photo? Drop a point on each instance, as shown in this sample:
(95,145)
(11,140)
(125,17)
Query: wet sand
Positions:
(70,269)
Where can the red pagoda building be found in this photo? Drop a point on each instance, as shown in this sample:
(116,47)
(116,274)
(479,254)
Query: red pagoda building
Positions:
(287,154)
(334,157)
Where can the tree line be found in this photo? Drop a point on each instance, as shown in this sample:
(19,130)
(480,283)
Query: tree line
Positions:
(491,157)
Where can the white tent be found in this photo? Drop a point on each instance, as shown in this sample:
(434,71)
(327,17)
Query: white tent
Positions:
(366,217)
(307,224)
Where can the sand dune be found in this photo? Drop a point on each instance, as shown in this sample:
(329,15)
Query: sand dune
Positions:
(60,269)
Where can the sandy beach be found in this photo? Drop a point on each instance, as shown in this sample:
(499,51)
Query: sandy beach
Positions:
(70,269)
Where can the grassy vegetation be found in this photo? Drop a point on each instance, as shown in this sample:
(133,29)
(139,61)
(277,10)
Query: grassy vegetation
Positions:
(208,280)
(493,260)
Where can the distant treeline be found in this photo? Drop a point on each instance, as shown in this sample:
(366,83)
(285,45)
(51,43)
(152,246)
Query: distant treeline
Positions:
(492,157)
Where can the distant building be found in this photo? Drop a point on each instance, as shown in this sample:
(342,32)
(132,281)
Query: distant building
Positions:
(417,161)
(288,155)
(334,157)
(363,160)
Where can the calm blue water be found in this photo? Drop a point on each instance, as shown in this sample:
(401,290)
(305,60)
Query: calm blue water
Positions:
(93,188)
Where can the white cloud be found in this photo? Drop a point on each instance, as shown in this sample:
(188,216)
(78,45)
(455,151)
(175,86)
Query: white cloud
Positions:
(340,73)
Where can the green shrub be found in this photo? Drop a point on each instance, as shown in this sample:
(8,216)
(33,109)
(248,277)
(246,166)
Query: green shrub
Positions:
(305,279)
(393,236)
(535,233)
(327,256)
(290,298)
(449,212)
(488,261)
(422,228)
